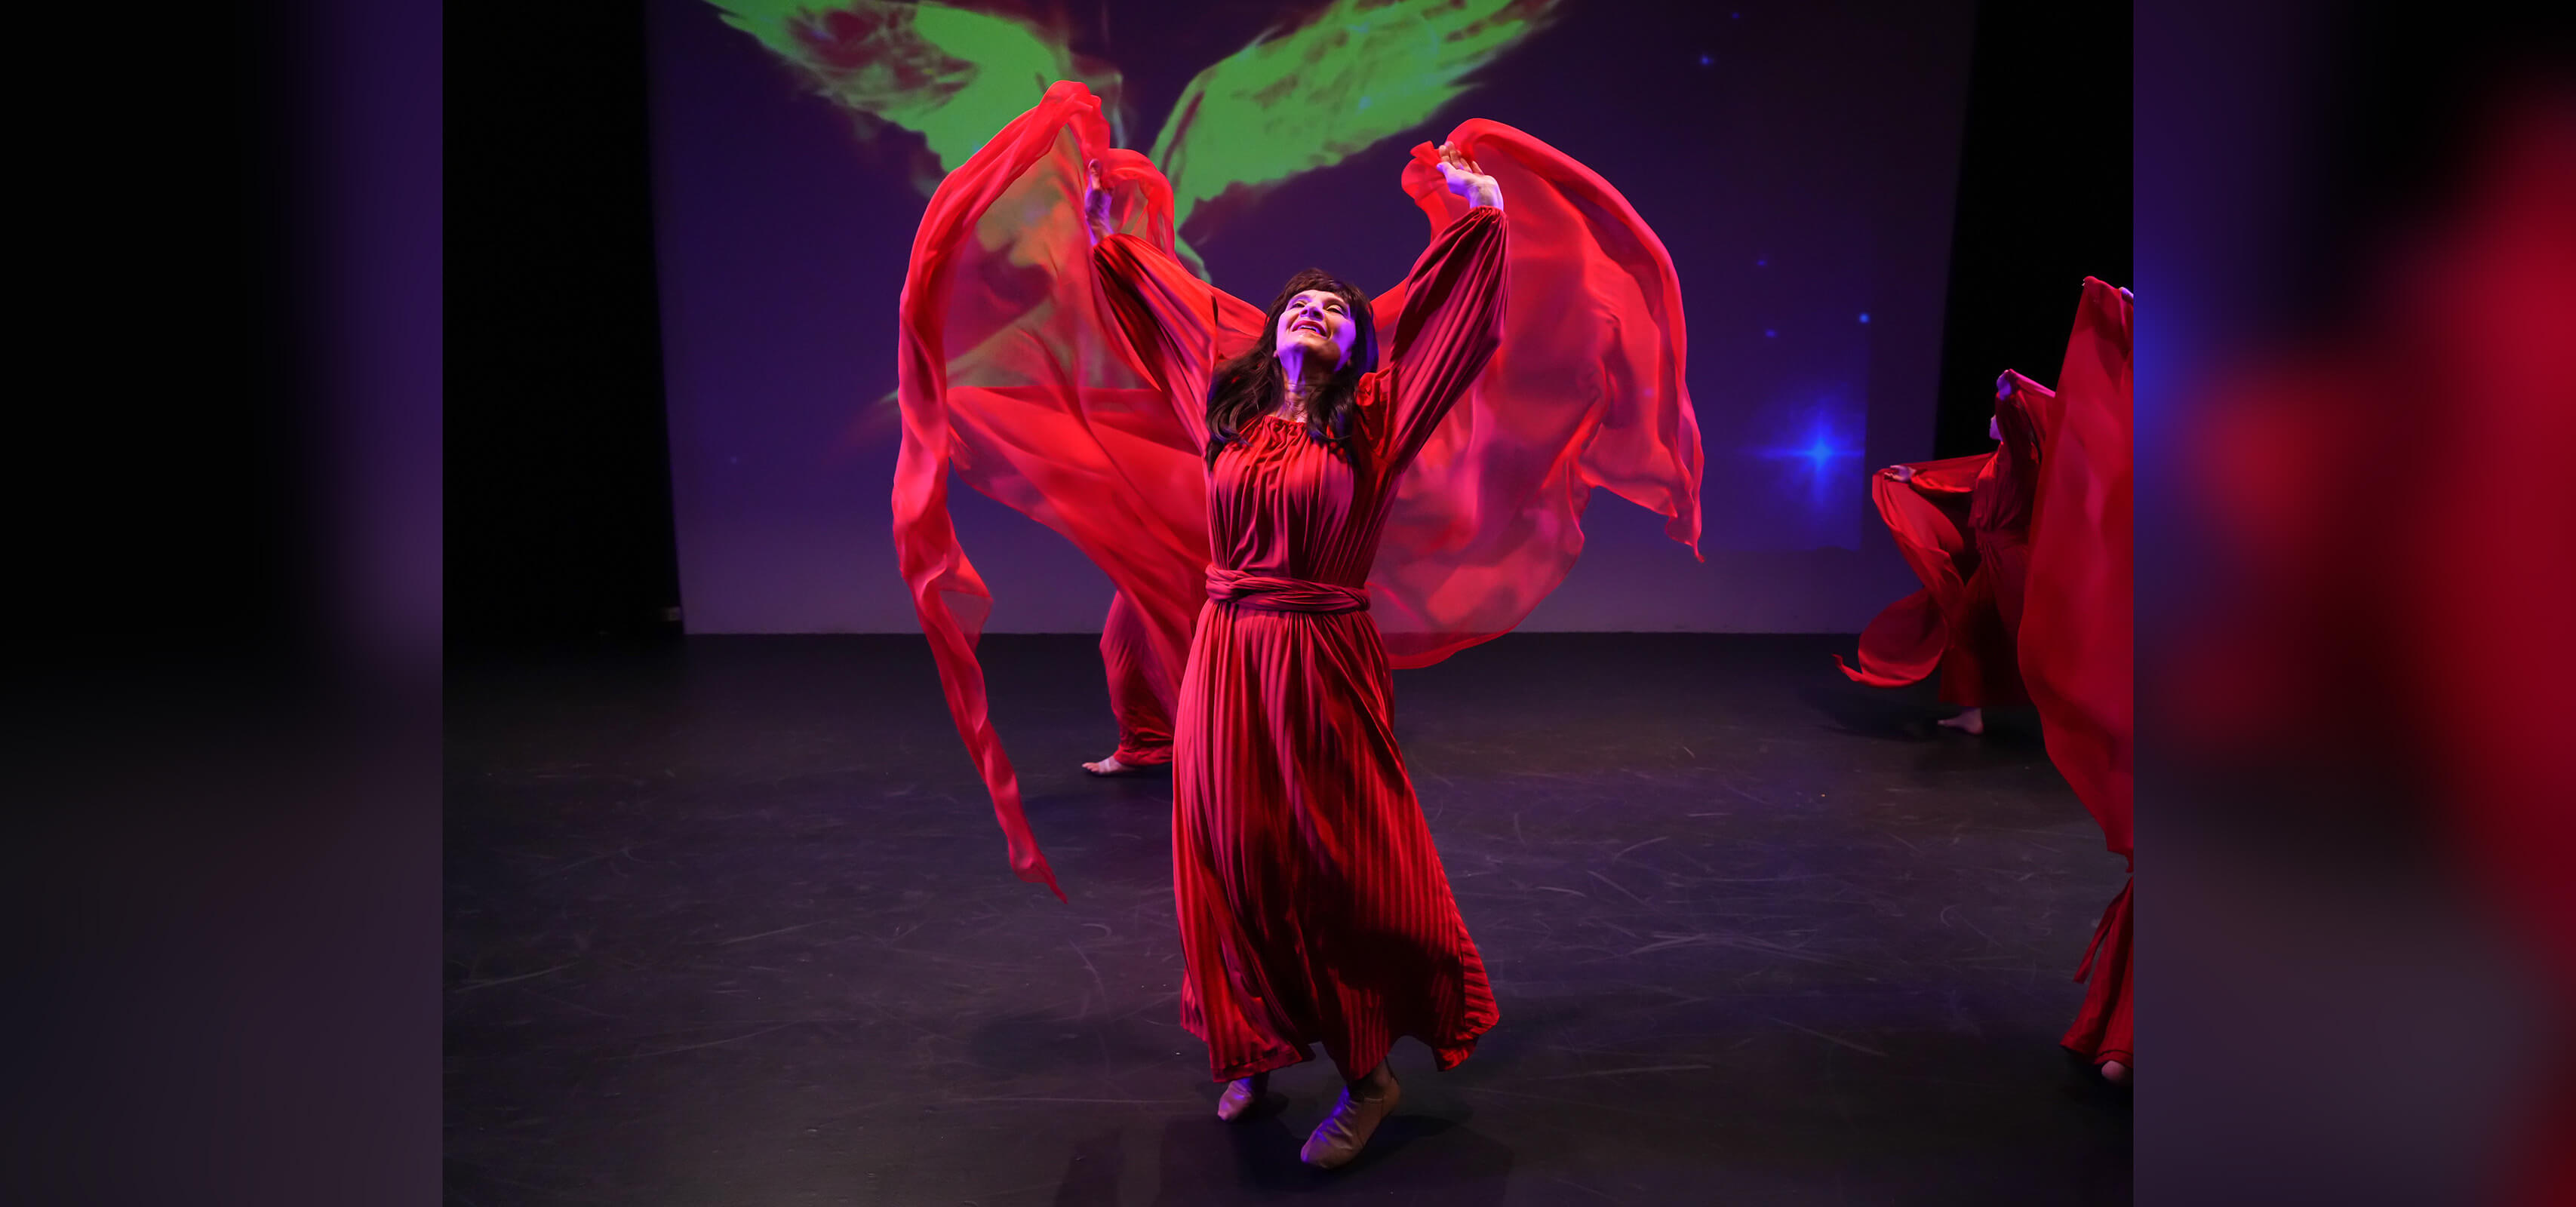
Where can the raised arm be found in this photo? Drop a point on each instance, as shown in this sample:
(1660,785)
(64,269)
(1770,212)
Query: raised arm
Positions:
(1453,314)
(2033,410)
(1171,326)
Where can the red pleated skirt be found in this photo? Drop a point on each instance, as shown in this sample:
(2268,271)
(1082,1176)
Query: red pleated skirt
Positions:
(1313,907)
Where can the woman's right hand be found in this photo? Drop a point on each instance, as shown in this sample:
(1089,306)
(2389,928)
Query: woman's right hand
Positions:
(1095,205)
(1466,180)
(1902,473)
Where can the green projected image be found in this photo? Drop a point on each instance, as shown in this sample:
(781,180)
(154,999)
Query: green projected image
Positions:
(1796,165)
(951,75)
(1303,96)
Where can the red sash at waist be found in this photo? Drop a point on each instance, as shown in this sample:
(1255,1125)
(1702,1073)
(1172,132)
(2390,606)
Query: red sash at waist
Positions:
(1265,593)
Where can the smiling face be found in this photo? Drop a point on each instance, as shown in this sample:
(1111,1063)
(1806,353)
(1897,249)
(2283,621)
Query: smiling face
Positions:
(1317,325)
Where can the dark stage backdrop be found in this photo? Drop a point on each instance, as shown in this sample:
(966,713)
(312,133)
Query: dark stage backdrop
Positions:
(1800,161)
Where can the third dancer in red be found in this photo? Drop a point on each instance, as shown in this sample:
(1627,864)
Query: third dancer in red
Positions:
(1963,523)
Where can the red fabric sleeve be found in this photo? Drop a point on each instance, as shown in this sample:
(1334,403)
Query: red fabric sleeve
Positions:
(1444,335)
(2077,619)
(1942,481)
(1586,390)
(1173,328)
(1928,518)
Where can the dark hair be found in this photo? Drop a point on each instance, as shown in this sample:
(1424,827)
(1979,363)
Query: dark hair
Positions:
(2016,464)
(2020,434)
(1248,386)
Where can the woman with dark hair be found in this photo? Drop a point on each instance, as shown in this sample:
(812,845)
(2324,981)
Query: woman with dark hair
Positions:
(1313,907)
(1285,514)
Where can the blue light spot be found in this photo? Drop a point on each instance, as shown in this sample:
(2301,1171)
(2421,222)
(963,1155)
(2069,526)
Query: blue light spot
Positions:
(1864,316)
(1808,490)
(1818,452)
(1703,60)
(1767,333)
(1762,263)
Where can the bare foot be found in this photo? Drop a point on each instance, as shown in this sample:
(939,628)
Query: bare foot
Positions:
(1241,1095)
(1365,1104)
(2115,1072)
(1970,721)
(1111,766)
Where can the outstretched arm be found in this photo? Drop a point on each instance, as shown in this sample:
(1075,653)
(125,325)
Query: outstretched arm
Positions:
(1934,479)
(1957,475)
(1453,312)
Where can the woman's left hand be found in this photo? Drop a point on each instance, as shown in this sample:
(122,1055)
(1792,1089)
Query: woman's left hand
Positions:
(1465,180)
(1095,205)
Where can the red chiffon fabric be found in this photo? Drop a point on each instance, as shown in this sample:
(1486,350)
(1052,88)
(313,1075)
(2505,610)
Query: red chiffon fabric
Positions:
(1963,524)
(1586,390)
(1007,378)
(2078,627)
(1312,904)
(1005,381)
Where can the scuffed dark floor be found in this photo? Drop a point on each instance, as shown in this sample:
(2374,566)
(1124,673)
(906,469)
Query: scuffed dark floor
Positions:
(730,923)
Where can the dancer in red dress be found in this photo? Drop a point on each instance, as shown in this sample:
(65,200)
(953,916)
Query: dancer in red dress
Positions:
(1272,565)
(1313,907)
(2025,556)
(1963,523)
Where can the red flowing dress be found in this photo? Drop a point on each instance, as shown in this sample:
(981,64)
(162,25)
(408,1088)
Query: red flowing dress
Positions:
(1963,524)
(1313,907)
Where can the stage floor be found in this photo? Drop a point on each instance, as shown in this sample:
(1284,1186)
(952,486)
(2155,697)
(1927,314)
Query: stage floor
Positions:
(729,922)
